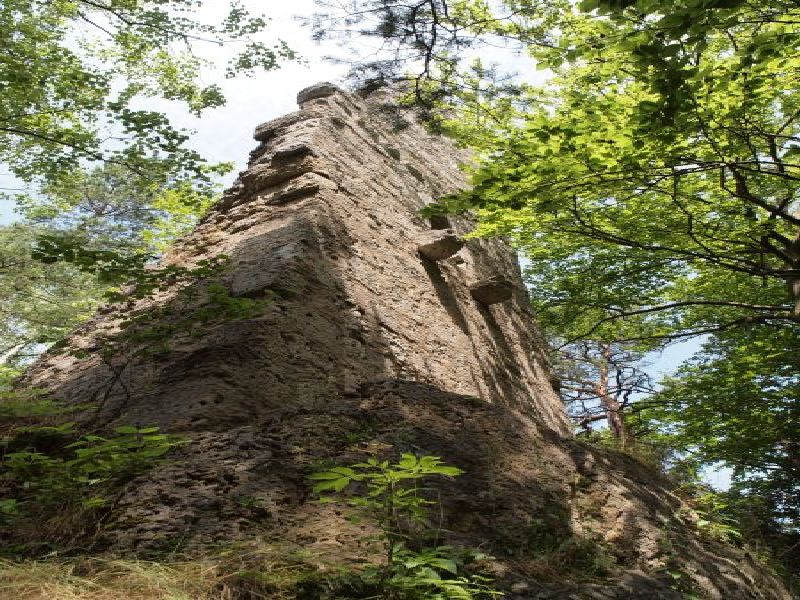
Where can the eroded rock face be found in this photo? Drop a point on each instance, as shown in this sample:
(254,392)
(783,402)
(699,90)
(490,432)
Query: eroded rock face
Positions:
(369,348)
(327,216)
(318,90)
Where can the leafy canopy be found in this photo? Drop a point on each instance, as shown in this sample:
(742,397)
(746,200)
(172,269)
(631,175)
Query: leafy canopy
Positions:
(76,77)
(652,175)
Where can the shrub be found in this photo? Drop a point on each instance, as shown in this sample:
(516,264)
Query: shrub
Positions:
(392,496)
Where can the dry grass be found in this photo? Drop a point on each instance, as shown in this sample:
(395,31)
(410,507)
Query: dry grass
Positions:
(110,580)
(269,572)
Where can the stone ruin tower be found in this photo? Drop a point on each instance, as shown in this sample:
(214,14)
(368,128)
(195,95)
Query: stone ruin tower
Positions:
(386,332)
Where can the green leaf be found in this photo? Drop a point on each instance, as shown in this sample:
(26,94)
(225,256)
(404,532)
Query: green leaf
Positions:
(336,485)
(445,564)
(127,429)
(325,475)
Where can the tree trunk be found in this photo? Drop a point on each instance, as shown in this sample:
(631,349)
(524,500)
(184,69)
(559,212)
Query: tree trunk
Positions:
(793,281)
(612,407)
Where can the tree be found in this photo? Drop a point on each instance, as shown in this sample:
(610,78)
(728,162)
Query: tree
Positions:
(738,403)
(45,290)
(73,73)
(686,212)
(111,211)
(423,42)
(600,381)
(39,303)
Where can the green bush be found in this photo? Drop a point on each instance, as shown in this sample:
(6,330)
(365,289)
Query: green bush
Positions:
(47,465)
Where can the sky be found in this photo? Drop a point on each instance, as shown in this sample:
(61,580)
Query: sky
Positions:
(225,134)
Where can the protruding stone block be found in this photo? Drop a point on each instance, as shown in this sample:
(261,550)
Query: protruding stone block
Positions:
(439,244)
(318,90)
(492,290)
(293,151)
(267,131)
(300,187)
(264,176)
(439,222)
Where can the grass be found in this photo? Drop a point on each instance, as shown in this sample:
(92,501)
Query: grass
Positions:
(271,572)
(109,580)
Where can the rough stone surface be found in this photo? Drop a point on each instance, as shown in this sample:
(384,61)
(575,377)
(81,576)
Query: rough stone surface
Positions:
(369,349)
(439,244)
(267,131)
(318,90)
(492,290)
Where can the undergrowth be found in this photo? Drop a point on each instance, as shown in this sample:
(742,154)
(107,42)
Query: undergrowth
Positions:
(58,484)
(415,565)
(255,571)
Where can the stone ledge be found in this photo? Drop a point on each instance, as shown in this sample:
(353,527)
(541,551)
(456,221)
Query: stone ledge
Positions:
(294,151)
(318,90)
(492,290)
(284,164)
(439,244)
(300,187)
(267,131)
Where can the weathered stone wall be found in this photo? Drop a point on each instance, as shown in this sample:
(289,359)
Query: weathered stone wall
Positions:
(370,349)
(326,215)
